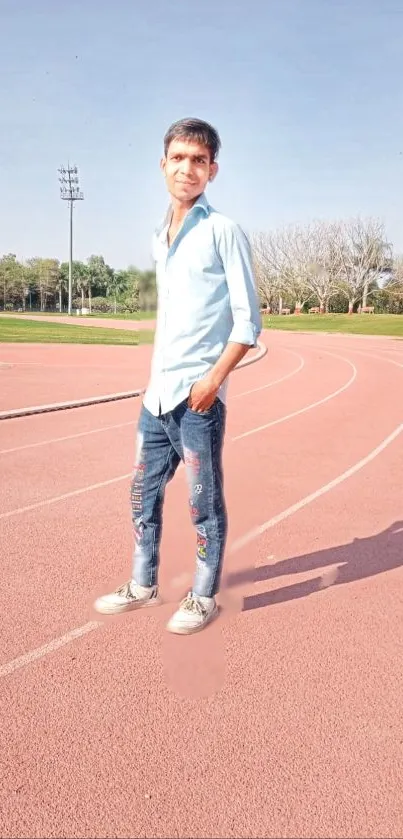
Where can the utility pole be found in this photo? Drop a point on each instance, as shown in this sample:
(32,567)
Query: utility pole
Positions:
(70,191)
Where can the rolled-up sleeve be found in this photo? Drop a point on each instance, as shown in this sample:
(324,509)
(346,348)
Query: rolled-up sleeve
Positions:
(236,256)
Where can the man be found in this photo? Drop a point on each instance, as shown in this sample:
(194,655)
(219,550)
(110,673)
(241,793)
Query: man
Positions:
(208,318)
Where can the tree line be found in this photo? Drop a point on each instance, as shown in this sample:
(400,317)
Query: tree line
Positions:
(40,284)
(337,266)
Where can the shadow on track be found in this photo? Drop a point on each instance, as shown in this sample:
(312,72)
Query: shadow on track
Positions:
(356,560)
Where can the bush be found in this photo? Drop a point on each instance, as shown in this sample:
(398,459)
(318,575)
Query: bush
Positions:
(101,304)
(106,305)
(98,304)
(76,303)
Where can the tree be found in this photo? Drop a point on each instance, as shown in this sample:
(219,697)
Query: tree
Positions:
(389,297)
(30,286)
(266,268)
(291,245)
(79,277)
(131,295)
(394,283)
(298,263)
(63,284)
(82,282)
(318,262)
(117,284)
(99,274)
(44,275)
(363,254)
(12,280)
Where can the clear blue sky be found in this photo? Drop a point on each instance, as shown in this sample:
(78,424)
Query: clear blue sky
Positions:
(307,96)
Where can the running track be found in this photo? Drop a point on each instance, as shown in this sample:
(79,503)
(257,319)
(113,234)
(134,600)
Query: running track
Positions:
(282,719)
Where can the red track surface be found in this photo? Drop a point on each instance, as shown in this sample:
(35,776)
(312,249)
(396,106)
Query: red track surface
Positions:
(36,374)
(280,720)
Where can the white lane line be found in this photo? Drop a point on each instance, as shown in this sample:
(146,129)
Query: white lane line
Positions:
(54,499)
(17,413)
(23,364)
(254,533)
(132,422)
(67,437)
(395,351)
(257,531)
(47,501)
(366,354)
(307,407)
(262,350)
(379,358)
(276,381)
(40,652)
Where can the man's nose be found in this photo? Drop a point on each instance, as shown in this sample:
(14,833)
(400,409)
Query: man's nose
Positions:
(186,166)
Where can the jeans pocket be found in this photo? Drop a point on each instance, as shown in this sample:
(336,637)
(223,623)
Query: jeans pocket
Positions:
(202,413)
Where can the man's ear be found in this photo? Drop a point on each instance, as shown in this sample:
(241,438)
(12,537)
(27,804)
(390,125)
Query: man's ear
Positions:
(163,163)
(213,171)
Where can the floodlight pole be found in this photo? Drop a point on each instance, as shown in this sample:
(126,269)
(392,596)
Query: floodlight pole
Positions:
(70,191)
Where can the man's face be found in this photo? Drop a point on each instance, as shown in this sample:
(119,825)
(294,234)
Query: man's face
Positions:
(187,169)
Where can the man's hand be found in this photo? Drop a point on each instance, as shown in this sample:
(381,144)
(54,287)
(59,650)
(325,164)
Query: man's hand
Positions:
(203,394)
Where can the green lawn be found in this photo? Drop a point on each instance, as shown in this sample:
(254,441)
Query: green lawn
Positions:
(351,324)
(106,315)
(17,330)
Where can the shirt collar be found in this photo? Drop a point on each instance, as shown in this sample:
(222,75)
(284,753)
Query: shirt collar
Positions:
(201,203)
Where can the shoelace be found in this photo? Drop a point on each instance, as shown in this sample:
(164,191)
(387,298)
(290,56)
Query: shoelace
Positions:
(191,604)
(125,591)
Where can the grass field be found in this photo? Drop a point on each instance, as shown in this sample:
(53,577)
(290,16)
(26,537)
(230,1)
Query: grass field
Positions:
(21,330)
(17,330)
(106,315)
(352,324)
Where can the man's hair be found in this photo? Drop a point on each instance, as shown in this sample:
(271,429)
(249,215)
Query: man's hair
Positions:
(196,130)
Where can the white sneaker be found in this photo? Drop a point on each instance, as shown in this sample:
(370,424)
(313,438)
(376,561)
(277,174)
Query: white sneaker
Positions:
(128,596)
(193,614)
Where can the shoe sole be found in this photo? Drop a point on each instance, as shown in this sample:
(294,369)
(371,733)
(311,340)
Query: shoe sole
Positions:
(183,630)
(127,607)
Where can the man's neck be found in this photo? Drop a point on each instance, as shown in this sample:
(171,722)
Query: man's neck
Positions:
(181,208)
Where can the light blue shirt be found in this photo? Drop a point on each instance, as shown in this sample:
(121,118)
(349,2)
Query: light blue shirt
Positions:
(206,297)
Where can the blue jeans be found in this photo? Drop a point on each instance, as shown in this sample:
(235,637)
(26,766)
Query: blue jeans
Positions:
(162,442)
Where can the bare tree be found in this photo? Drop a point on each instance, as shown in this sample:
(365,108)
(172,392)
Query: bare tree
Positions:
(298,263)
(363,254)
(394,284)
(317,263)
(292,266)
(266,273)
(278,268)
